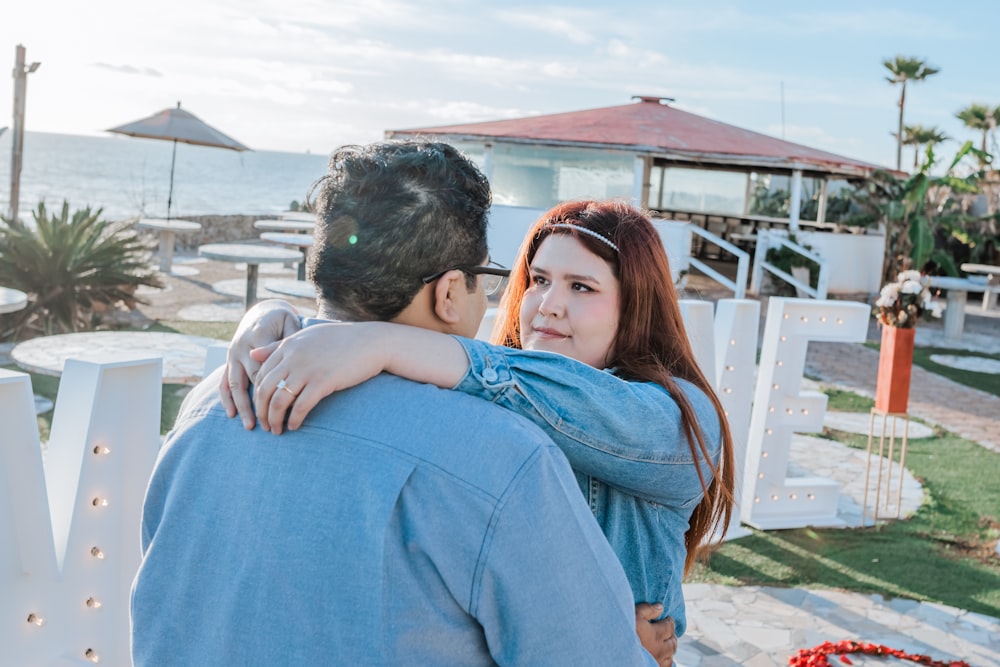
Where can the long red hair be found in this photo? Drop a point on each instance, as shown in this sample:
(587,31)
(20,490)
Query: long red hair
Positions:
(650,345)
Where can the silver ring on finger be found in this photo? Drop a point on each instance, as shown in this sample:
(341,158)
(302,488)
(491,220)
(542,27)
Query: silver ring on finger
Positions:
(283,386)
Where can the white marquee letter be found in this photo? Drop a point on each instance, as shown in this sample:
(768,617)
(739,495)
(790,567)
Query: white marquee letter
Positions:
(770,500)
(69,529)
(726,349)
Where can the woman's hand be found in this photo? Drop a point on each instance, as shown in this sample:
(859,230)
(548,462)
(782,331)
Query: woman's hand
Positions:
(264,324)
(312,364)
(657,637)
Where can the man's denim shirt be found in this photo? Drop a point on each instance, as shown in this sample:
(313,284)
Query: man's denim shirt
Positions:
(403,524)
(627,446)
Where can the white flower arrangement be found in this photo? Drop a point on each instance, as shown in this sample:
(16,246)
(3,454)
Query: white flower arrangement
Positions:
(902,302)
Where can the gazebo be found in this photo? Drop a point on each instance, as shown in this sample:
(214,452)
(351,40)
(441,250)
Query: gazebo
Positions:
(662,158)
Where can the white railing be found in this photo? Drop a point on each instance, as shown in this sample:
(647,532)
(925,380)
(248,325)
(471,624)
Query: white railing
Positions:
(739,284)
(769,239)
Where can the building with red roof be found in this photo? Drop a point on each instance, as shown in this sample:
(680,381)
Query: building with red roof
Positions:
(659,156)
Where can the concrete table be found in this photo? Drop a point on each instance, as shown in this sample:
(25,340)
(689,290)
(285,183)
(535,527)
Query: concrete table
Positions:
(285,226)
(300,241)
(168,229)
(992,273)
(183,356)
(12,300)
(253,255)
(302,289)
(302,216)
(958,294)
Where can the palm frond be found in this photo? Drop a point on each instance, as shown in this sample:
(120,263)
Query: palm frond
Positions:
(67,264)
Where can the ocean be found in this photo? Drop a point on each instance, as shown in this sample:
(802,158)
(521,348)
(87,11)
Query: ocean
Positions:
(130,177)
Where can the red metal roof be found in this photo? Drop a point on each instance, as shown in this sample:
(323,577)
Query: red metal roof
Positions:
(652,127)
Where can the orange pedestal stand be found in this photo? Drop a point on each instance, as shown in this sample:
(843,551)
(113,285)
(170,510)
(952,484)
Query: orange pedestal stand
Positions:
(884,429)
(895,363)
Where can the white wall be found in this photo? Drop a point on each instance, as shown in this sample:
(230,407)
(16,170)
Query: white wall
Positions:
(676,237)
(508,226)
(855,260)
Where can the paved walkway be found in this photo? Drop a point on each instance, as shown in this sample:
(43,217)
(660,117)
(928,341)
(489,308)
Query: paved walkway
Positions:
(760,626)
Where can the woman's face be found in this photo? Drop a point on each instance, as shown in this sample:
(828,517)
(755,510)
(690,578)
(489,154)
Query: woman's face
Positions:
(571,304)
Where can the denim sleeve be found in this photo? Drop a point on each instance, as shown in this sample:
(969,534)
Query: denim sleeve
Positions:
(627,434)
(561,600)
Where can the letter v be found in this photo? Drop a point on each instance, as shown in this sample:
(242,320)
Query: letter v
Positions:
(69,526)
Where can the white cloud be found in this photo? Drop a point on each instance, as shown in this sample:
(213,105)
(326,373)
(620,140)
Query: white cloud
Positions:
(130,69)
(561,22)
(618,49)
(457,112)
(560,70)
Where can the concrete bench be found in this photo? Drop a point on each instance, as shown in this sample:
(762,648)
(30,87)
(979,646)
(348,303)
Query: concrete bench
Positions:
(958,294)
(992,274)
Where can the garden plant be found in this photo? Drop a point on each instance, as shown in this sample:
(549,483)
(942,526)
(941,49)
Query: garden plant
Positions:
(73,268)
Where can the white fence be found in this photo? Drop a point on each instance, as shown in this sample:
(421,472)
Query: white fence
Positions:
(766,240)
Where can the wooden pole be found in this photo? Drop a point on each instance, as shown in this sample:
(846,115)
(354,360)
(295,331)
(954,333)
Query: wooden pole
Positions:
(20,75)
(17,136)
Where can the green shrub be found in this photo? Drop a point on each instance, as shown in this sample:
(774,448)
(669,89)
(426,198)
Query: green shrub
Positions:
(785,258)
(72,268)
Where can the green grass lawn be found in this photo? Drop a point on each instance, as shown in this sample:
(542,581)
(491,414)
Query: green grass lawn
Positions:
(988,382)
(944,553)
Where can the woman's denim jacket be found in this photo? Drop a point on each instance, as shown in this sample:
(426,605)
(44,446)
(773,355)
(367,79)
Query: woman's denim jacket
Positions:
(626,444)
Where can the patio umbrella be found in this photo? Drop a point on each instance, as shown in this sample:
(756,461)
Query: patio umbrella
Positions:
(178,125)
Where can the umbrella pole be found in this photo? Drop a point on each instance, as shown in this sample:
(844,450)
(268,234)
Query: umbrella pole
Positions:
(170,195)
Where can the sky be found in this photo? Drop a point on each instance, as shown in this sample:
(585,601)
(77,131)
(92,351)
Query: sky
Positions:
(310,75)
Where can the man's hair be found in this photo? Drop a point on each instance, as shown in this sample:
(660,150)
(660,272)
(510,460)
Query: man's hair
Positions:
(389,214)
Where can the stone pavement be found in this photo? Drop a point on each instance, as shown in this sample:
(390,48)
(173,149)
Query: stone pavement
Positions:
(760,626)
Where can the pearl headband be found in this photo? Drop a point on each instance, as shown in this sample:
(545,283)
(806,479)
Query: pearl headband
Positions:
(589,232)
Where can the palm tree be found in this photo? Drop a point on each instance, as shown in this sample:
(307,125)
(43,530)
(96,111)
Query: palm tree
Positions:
(919,136)
(905,69)
(983,119)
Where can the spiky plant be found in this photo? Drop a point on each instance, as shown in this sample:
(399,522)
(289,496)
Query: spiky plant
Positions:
(70,267)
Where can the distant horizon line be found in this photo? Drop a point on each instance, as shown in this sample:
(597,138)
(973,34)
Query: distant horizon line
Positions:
(104,134)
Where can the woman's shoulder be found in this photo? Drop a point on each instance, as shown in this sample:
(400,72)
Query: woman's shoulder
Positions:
(704,407)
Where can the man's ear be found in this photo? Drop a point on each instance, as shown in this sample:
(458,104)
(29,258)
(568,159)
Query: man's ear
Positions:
(447,296)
